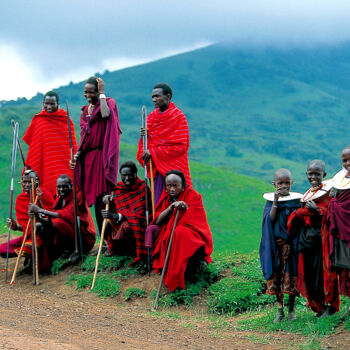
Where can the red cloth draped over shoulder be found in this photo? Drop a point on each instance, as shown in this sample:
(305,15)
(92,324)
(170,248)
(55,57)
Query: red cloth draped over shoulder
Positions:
(191,233)
(22,202)
(49,150)
(330,280)
(65,223)
(168,141)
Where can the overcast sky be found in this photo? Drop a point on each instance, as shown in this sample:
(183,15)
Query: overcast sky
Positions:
(45,44)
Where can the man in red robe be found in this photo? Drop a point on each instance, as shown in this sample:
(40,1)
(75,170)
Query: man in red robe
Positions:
(127,216)
(192,241)
(168,139)
(47,138)
(44,199)
(96,161)
(56,227)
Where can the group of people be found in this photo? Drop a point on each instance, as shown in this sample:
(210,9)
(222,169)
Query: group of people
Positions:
(55,162)
(305,243)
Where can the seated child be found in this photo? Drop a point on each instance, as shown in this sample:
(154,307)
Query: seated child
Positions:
(316,281)
(278,255)
(339,224)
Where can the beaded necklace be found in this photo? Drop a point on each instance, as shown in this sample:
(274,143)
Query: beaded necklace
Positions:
(341,182)
(90,109)
(313,191)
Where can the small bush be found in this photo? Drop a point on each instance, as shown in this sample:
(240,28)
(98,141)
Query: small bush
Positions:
(105,263)
(232,295)
(105,286)
(132,291)
(58,265)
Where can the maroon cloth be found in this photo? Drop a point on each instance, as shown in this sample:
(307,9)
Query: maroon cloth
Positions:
(339,216)
(97,166)
(64,236)
(339,227)
(192,232)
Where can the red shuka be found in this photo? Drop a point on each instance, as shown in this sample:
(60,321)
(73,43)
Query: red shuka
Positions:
(21,206)
(191,233)
(64,224)
(330,280)
(49,150)
(168,141)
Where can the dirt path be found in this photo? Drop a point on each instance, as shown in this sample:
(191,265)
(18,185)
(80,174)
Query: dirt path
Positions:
(56,316)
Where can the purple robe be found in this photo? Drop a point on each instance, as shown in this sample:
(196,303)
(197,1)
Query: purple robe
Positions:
(97,166)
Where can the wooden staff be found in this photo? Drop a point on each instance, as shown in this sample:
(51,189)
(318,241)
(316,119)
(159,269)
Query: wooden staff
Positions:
(19,146)
(152,186)
(77,232)
(13,165)
(166,261)
(144,141)
(21,249)
(104,224)
(34,246)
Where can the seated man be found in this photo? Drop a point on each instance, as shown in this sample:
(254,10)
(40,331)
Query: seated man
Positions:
(44,199)
(56,227)
(192,236)
(127,216)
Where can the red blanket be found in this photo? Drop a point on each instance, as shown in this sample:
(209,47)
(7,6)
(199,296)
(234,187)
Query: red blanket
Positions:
(49,151)
(64,224)
(192,232)
(22,202)
(330,280)
(131,203)
(168,141)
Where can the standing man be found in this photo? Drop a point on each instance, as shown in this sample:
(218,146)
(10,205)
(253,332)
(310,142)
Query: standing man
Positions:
(96,161)
(167,137)
(47,138)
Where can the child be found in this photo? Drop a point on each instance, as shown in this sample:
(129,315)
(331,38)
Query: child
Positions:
(339,224)
(316,281)
(277,253)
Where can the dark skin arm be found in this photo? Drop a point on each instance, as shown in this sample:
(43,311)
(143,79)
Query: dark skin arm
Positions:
(164,215)
(105,111)
(273,211)
(15,226)
(311,205)
(146,155)
(34,209)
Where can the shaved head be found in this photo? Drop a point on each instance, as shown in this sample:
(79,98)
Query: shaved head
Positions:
(317,163)
(283,173)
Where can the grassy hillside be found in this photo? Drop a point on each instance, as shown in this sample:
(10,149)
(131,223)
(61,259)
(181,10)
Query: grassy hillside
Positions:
(249,110)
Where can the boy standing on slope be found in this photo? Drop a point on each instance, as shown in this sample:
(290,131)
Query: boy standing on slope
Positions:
(278,255)
(316,281)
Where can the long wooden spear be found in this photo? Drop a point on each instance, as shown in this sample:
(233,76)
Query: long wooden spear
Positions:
(19,146)
(13,165)
(77,232)
(166,260)
(144,140)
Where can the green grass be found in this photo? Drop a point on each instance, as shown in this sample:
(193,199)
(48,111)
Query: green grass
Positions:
(58,265)
(134,292)
(105,285)
(105,263)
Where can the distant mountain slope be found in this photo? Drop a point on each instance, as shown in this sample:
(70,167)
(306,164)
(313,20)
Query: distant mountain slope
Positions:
(250,110)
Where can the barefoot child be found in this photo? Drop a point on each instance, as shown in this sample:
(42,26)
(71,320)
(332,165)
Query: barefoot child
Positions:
(339,224)
(277,253)
(316,281)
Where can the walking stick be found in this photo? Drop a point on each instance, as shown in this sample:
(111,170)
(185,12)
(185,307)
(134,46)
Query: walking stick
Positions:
(13,165)
(144,140)
(104,224)
(77,232)
(34,246)
(166,261)
(21,249)
(152,186)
